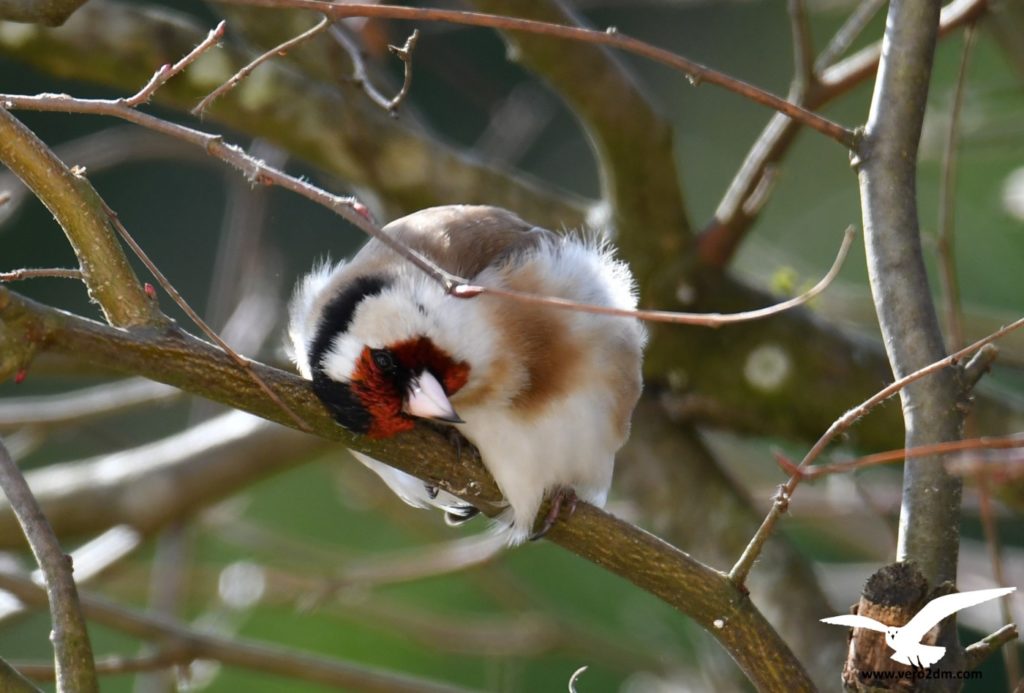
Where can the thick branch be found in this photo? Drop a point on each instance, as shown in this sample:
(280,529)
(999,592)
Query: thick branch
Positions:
(91,47)
(887,169)
(48,12)
(82,215)
(173,357)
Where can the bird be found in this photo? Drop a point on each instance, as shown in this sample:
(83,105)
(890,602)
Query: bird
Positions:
(905,641)
(545,394)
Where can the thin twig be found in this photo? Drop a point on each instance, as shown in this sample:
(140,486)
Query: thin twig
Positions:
(405,55)
(161,76)
(193,643)
(978,652)
(242,363)
(161,659)
(878,458)
(695,72)
(12,681)
(739,572)
(362,78)
(742,201)
(862,64)
(990,530)
(946,241)
(236,78)
(803,44)
(678,318)
(348,208)
(77,207)
(841,41)
(36,273)
(998,470)
(72,649)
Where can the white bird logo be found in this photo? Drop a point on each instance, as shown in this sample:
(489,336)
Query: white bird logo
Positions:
(906,640)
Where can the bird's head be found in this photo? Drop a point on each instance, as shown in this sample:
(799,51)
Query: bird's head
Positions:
(378,353)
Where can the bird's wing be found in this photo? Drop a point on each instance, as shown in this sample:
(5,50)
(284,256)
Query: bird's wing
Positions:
(855,621)
(461,239)
(414,491)
(938,609)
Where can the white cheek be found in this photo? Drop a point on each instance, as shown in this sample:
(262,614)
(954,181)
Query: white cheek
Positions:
(340,361)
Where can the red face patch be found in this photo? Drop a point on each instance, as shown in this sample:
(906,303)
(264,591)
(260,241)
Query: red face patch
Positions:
(382,393)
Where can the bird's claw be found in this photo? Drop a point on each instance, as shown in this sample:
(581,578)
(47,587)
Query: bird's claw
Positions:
(561,498)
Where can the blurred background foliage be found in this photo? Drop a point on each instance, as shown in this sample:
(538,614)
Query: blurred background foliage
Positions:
(260,564)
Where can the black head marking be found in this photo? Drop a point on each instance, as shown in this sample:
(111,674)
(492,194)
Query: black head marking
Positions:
(337,316)
(343,404)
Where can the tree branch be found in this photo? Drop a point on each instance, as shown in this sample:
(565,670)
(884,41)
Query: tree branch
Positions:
(171,356)
(741,205)
(695,72)
(48,12)
(13,682)
(120,45)
(71,646)
(81,213)
(633,144)
(191,644)
(887,170)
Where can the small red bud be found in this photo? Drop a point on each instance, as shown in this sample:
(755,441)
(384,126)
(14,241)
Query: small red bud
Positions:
(150,291)
(20,376)
(362,210)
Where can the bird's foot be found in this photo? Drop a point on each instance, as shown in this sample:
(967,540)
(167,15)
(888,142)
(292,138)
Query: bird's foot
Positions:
(457,441)
(563,497)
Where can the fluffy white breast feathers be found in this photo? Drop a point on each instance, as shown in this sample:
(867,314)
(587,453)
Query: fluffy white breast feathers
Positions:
(545,394)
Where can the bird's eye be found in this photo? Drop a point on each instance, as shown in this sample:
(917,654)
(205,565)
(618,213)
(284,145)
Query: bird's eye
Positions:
(383,360)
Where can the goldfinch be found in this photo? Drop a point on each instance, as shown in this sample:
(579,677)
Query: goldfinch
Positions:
(545,394)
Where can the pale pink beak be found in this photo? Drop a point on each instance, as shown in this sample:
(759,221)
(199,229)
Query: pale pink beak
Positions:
(427,400)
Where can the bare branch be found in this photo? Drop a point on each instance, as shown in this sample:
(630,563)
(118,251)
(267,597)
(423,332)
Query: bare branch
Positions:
(405,55)
(156,484)
(54,272)
(116,43)
(161,76)
(75,407)
(190,643)
(887,171)
(890,456)
(742,568)
(841,41)
(236,78)
(79,210)
(13,682)
(242,363)
(742,202)
(803,44)
(978,652)
(48,12)
(174,357)
(705,319)
(694,71)
(947,203)
(161,659)
(72,650)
